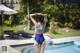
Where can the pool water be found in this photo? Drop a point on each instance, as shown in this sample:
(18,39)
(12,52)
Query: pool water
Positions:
(68,47)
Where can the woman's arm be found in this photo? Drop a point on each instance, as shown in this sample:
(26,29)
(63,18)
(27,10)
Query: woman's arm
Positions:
(32,19)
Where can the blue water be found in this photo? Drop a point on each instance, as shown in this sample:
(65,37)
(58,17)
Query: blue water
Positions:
(55,48)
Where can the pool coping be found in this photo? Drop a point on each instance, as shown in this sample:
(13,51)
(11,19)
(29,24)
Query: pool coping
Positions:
(31,41)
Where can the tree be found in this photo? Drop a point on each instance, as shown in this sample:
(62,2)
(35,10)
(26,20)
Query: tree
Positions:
(64,14)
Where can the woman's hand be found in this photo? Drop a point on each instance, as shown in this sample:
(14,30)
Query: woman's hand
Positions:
(36,14)
(32,14)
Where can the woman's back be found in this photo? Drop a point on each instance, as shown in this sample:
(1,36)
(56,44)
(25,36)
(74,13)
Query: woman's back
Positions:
(39,29)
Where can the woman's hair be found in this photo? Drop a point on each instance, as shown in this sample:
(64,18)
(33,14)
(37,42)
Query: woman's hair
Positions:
(40,18)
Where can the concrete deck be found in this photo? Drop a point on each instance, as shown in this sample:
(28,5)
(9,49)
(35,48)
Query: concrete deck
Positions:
(8,43)
(4,48)
(28,41)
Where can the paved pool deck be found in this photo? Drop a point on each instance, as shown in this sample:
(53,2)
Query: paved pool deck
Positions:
(9,43)
(31,40)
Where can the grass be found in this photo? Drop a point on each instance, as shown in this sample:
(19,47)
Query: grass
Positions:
(61,33)
(15,28)
(66,34)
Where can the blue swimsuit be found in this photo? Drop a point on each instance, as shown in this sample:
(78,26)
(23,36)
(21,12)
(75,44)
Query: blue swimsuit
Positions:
(39,35)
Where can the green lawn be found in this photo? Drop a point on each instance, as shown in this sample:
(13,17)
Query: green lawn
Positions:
(15,28)
(66,34)
(61,33)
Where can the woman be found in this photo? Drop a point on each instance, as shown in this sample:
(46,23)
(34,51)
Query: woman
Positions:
(39,38)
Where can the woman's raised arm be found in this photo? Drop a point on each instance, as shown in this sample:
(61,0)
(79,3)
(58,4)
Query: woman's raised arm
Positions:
(32,19)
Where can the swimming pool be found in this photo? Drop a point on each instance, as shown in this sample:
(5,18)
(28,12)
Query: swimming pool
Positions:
(67,47)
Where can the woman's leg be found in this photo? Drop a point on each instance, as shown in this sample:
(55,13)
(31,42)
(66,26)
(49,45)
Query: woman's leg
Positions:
(42,47)
(36,45)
